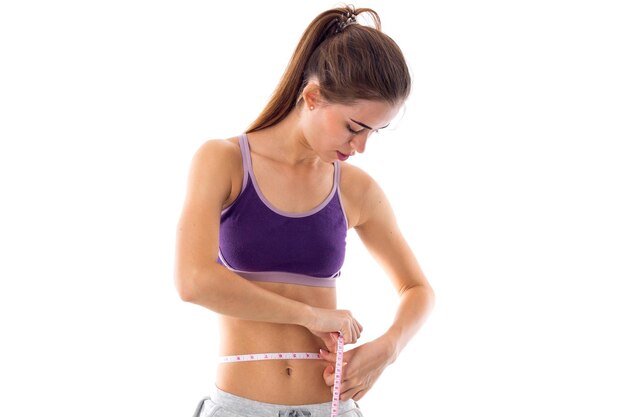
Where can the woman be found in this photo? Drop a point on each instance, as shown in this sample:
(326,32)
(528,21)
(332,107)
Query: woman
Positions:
(261,239)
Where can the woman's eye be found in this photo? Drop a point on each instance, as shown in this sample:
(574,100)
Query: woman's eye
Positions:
(354,132)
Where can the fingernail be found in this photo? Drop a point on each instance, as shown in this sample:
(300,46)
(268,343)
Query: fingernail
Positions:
(323,352)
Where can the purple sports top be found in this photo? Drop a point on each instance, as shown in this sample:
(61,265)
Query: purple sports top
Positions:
(262,243)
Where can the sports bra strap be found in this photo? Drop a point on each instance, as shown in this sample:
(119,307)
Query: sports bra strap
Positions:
(247,163)
(245,156)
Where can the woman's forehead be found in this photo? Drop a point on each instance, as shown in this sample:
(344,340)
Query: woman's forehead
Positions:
(368,113)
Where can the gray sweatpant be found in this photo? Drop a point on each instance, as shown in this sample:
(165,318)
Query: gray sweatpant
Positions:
(224,404)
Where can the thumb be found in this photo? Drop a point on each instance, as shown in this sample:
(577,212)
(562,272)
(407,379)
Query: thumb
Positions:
(330,341)
(328,356)
(329,371)
(329,375)
(332,356)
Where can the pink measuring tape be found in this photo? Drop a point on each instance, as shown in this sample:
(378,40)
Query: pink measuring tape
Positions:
(334,407)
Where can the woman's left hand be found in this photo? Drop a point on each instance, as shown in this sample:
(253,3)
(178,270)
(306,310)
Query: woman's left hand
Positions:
(362,367)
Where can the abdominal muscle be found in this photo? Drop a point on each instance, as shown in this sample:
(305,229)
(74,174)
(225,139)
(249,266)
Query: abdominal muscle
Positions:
(289,382)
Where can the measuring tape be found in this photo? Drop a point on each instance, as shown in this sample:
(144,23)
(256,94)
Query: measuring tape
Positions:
(334,407)
(269,357)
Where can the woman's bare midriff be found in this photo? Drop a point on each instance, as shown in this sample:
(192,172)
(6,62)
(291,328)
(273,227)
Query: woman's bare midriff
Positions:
(289,382)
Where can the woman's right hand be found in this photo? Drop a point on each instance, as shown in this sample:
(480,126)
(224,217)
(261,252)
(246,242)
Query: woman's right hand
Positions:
(327,323)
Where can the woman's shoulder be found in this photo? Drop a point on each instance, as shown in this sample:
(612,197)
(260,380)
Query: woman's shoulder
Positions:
(220,156)
(218,163)
(354,180)
(218,150)
(356,187)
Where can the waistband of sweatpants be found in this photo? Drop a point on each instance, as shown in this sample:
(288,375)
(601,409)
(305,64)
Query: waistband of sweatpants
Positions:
(250,408)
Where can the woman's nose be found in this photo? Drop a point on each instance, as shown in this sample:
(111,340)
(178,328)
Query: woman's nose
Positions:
(358,143)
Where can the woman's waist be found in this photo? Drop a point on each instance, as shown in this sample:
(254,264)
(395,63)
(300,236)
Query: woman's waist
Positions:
(283,380)
(245,337)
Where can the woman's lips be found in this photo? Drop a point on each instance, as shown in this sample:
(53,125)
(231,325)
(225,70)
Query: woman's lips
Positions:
(342,156)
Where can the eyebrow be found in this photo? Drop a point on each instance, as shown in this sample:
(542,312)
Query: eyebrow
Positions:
(366,126)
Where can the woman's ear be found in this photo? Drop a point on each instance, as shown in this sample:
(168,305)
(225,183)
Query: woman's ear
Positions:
(312,95)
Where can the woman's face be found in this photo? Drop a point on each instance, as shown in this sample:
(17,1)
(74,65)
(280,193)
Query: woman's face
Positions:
(337,131)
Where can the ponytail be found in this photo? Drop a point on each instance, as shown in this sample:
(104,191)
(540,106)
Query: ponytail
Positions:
(350,61)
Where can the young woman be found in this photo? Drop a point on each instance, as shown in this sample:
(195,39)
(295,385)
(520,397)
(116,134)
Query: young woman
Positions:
(261,238)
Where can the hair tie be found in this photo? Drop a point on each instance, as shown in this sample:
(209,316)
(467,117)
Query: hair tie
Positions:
(349,19)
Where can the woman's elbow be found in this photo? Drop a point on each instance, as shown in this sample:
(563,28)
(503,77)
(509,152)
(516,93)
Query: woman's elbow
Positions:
(184,288)
(186,284)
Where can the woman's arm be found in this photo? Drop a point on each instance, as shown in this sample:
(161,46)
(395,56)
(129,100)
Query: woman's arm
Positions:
(378,229)
(201,280)
(198,277)
(376,225)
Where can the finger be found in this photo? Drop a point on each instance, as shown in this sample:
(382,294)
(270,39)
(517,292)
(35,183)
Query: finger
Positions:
(348,335)
(330,341)
(359,395)
(328,356)
(329,375)
(331,344)
(331,357)
(355,330)
(349,392)
(335,336)
(352,335)
(359,328)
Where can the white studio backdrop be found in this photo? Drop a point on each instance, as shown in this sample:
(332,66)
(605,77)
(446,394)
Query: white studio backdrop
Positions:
(506,174)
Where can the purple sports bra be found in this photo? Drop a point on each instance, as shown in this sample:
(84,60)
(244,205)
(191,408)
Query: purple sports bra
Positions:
(262,243)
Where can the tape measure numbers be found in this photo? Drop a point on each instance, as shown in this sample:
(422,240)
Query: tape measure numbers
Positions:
(334,408)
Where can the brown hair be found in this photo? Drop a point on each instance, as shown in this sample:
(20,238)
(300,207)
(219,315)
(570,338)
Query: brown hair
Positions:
(349,61)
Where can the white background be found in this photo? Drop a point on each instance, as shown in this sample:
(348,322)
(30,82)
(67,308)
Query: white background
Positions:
(506,174)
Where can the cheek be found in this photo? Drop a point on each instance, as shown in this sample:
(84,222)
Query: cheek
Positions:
(321,131)
(334,130)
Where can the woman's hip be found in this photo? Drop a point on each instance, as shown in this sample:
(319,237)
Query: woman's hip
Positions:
(224,404)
